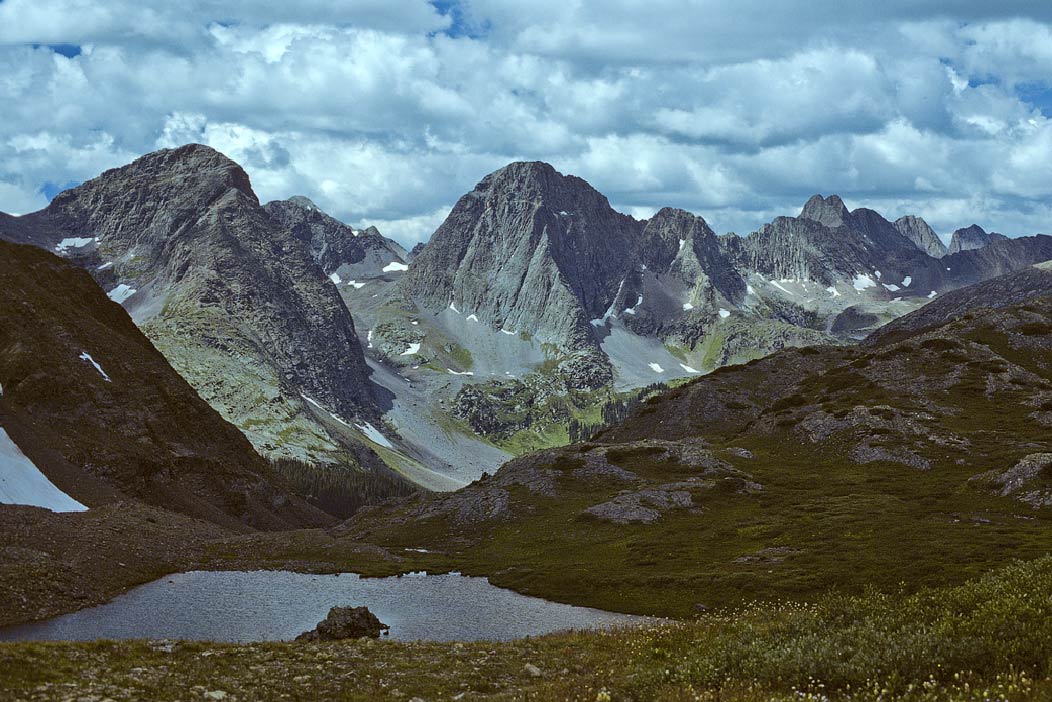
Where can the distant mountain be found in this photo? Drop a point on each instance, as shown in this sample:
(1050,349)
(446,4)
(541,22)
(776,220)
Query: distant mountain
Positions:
(1011,289)
(973,237)
(344,254)
(534,303)
(231,295)
(94,407)
(531,251)
(917,230)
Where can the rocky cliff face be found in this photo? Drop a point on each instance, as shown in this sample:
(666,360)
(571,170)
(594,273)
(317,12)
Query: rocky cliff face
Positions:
(232,297)
(973,237)
(99,410)
(827,244)
(531,249)
(917,230)
(528,247)
(345,254)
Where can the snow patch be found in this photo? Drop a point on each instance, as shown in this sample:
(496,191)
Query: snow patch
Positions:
(374,435)
(656,367)
(454,308)
(907,281)
(335,278)
(748,289)
(411,351)
(394,266)
(681,243)
(73,243)
(509,333)
(862,281)
(891,286)
(877,273)
(453,372)
(369,339)
(724,313)
(688,306)
(932,294)
(104,266)
(632,309)
(85,356)
(777,285)
(472,318)
(22,483)
(688,369)
(356,284)
(833,291)
(121,293)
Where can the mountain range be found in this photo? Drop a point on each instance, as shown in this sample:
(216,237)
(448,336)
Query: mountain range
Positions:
(534,303)
(638,415)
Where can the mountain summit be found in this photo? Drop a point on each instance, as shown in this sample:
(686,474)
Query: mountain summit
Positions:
(829,211)
(232,297)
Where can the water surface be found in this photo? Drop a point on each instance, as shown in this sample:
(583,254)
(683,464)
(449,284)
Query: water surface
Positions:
(242,606)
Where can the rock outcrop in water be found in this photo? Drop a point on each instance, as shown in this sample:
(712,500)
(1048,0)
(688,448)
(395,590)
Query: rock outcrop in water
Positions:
(346,623)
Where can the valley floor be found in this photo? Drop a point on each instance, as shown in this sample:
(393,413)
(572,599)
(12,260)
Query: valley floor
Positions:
(989,639)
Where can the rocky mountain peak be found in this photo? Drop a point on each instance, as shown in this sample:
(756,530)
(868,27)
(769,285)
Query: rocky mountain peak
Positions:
(829,211)
(972,237)
(668,233)
(920,233)
(303,201)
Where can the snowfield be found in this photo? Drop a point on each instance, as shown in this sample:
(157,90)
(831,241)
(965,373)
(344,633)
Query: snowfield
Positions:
(374,435)
(72,243)
(22,483)
(862,281)
(121,293)
(395,266)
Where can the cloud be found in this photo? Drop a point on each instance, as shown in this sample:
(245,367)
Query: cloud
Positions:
(385,113)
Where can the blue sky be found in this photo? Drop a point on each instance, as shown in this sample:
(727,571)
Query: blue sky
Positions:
(385,112)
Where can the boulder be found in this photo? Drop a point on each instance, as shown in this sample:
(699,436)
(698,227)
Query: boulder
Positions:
(346,623)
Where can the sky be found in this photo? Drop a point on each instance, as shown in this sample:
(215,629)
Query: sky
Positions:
(385,112)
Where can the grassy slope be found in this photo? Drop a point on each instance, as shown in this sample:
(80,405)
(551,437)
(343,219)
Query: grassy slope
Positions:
(990,639)
(822,520)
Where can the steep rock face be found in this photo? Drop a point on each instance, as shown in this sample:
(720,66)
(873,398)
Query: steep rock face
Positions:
(826,243)
(827,211)
(917,230)
(233,299)
(972,237)
(682,245)
(345,254)
(99,410)
(528,248)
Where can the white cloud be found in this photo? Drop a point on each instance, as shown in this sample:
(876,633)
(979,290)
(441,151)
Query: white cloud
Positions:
(735,110)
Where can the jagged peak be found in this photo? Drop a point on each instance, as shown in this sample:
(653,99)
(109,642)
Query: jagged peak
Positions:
(304,201)
(537,179)
(197,162)
(970,229)
(830,211)
(675,215)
